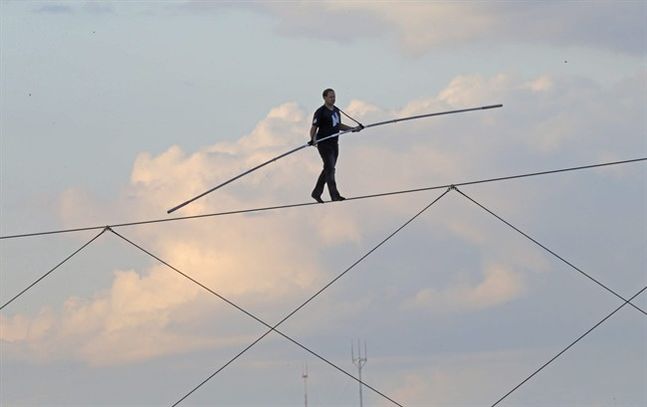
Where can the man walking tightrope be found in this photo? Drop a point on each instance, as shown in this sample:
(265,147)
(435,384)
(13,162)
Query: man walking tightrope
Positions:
(325,122)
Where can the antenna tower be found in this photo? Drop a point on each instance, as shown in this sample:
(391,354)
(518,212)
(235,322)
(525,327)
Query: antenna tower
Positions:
(360,361)
(304,375)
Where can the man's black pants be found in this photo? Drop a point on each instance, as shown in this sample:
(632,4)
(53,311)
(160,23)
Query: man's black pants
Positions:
(329,151)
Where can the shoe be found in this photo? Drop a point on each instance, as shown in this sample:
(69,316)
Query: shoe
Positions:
(317,197)
(338,198)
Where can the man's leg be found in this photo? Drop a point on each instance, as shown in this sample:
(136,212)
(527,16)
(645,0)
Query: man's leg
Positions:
(319,186)
(323,176)
(329,153)
(329,167)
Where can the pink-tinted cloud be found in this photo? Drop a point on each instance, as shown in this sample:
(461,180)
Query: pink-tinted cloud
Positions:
(269,262)
(420,27)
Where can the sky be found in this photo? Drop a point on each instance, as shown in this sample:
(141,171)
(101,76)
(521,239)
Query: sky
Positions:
(114,112)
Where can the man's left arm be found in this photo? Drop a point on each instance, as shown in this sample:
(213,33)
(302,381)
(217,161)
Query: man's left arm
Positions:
(355,129)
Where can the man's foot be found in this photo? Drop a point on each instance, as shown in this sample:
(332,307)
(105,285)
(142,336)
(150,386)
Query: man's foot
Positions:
(338,198)
(317,197)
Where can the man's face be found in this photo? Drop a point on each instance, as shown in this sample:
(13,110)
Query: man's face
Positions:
(330,98)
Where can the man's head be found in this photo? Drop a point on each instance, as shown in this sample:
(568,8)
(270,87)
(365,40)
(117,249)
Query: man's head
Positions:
(329,97)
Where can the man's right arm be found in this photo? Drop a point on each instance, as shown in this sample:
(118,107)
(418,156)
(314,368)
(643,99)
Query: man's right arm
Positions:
(313,133)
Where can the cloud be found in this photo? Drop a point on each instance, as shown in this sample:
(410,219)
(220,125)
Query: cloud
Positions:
(268,261)
(444,379)
(107,329)
(499,286)
(251,260)
(54,9)
(104,7)
(422,27)
(470,378)
(91,7)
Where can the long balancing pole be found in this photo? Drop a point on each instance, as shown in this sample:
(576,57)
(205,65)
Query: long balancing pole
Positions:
(294,150)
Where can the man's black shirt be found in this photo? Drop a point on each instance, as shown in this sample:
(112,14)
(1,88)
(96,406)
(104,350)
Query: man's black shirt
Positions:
(327,122)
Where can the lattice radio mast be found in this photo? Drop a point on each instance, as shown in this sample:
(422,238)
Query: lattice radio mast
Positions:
(304,375)
(360,361)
